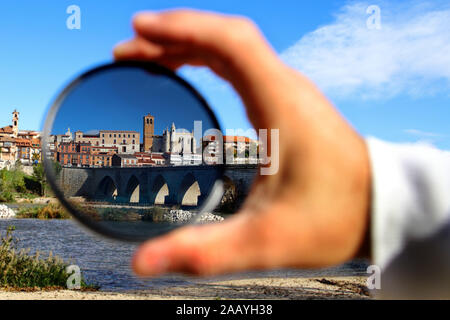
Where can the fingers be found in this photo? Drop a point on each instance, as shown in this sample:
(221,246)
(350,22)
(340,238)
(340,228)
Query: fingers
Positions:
(187,31)
(139,49)
(171,56)
(232,47)
(180,26)
(223,43)
(201,250)
(212,32)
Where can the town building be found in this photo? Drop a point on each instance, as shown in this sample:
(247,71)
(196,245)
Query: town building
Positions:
(179,147)
(158,159)
(64,138)
(102,156)
(230,150)
(92,139)
(150,159)
(68,154)
(124,160)
(23,150)
(83,154)
(8,136)
(24,145)
(8,149)
(126,142)
(183,159)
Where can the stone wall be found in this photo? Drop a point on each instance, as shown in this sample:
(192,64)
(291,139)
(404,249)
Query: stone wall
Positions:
(75,181)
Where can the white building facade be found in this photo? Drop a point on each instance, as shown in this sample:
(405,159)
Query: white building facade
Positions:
(178,146)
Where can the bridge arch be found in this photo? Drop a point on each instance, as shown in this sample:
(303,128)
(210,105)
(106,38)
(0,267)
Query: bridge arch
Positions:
(133,190)
(159,190)
(189,191)
(106,190)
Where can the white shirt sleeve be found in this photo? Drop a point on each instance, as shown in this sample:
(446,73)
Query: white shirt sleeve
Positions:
(410,196)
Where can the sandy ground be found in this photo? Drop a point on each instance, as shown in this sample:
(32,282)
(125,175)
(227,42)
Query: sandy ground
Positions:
(261,288)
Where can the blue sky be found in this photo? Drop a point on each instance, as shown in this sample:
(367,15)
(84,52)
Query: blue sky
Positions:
(393,82)
(106,102)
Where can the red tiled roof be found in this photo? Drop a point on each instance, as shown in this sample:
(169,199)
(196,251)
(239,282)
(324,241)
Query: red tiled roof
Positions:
(8,130)
(23,142)
(146,161)
(28,133)
(7,139)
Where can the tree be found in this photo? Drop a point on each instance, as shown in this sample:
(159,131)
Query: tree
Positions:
(39,176)
(36,156)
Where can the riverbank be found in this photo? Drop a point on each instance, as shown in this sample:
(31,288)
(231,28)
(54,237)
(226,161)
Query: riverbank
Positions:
(254,288)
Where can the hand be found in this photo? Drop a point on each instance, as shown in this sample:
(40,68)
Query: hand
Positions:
(315,211)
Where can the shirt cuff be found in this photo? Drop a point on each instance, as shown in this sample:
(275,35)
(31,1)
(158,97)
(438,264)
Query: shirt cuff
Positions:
(410,195)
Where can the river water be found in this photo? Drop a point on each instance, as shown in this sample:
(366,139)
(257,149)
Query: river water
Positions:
(106,263)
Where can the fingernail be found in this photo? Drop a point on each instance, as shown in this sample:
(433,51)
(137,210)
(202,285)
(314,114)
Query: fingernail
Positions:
(146,18)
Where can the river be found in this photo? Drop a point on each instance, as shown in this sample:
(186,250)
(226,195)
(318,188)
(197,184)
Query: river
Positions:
(106,263)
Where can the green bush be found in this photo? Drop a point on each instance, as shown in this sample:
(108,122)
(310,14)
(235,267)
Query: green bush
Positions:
(18,269)
(13,180)
(28,213)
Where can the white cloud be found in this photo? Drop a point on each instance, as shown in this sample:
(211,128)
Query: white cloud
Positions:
(410,54)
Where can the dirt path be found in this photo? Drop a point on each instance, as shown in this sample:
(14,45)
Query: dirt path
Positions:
(263,288)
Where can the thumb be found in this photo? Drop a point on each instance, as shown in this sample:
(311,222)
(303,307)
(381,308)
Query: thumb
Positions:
(212,249)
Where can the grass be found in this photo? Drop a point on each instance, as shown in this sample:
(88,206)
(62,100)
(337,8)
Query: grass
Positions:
(50,211)
(20,270)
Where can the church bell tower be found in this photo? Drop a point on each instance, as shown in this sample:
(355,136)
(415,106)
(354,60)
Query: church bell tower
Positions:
(149,132)
(15,123)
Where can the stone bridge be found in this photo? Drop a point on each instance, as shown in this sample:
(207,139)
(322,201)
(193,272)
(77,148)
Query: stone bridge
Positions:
(177,185)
